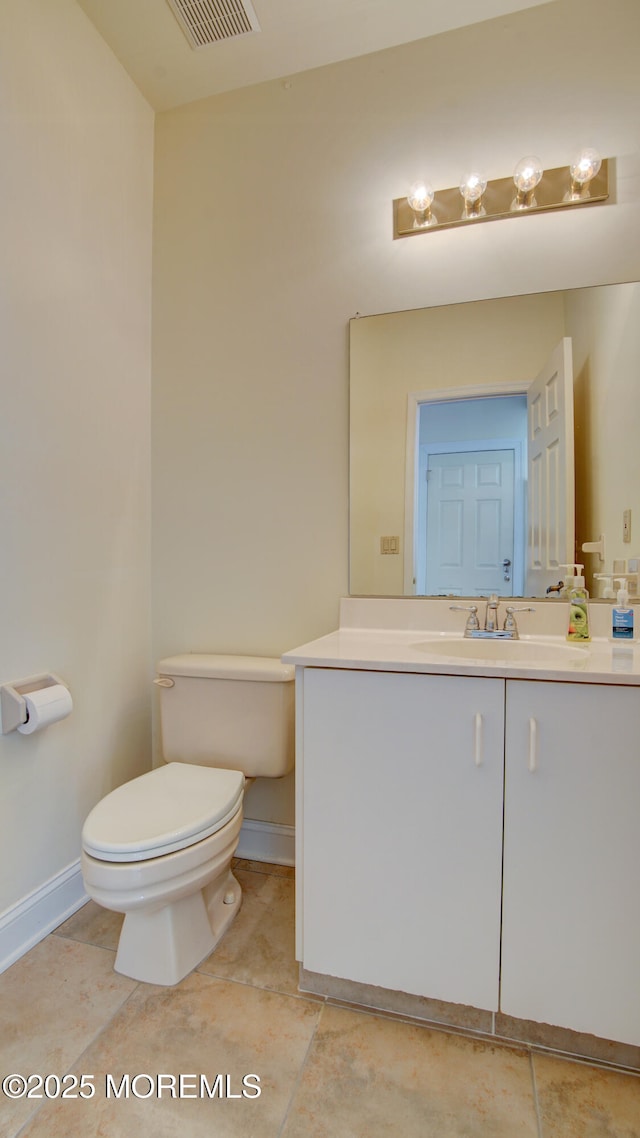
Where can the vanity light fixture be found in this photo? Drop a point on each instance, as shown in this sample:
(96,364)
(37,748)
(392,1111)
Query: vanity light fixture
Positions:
(585,181)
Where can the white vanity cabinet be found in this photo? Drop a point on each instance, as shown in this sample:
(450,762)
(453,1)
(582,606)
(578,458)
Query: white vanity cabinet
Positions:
(401,789)
(571,907)
(411,879)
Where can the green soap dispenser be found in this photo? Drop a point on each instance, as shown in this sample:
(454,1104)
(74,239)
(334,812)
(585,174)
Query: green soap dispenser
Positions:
(578,597)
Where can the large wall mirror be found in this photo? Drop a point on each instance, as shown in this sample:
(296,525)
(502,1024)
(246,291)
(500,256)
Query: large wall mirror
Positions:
(489,440)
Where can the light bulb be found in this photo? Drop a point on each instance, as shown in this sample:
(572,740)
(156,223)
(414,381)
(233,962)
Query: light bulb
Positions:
(472,187)
(526,176)
(420,197)
(585,166)
(583,169)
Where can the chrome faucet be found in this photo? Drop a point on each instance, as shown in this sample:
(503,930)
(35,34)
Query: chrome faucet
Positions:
(492,630)
(491,614)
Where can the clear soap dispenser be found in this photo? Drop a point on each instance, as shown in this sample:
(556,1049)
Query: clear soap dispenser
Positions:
(622,614)
(578,597)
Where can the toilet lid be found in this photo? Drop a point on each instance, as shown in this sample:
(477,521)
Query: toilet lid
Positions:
(162,811)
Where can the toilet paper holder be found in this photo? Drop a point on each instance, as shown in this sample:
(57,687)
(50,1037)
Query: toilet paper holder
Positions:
(13,707)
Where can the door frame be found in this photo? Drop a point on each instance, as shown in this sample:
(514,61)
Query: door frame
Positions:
(414,400)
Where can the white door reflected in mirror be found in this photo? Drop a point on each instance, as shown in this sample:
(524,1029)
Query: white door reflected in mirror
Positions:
(466,532)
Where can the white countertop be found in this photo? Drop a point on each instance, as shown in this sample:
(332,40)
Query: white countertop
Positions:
(600,661)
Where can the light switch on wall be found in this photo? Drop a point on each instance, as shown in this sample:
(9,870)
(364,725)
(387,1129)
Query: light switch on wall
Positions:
(389,544)
(626,525)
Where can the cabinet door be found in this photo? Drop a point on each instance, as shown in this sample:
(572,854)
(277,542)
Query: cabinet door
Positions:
(402,828)
(571,915)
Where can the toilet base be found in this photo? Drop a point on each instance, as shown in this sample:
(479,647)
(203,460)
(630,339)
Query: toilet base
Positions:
(162,945)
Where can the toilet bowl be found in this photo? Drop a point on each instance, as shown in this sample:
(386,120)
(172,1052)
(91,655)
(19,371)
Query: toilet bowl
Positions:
(159,848)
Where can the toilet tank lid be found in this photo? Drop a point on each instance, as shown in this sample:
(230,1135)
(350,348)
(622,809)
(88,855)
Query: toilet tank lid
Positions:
(213,667)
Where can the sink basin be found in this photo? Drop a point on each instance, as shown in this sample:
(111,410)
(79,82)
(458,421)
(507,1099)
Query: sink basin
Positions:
(517,651)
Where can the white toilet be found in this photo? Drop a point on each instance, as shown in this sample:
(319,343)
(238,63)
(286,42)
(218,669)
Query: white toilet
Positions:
(159,848)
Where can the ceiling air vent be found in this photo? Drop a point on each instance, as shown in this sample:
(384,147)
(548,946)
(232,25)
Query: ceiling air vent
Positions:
(207,21)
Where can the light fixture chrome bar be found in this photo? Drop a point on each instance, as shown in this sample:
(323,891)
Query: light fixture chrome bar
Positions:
(553,192)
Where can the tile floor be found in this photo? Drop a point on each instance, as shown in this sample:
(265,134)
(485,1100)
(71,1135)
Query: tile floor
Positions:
(326,1070)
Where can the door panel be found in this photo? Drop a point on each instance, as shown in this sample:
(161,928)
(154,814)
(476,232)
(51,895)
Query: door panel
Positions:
(551,472)
(470,523)
(402,823)
(571,919)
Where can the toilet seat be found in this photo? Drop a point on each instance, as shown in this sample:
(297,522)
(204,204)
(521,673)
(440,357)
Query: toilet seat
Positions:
(162,811)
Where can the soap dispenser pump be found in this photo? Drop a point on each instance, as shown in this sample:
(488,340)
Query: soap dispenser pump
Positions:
(568,582)
(622,614)
(578,627)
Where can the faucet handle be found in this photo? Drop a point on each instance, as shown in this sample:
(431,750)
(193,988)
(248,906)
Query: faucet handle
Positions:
(509,620)
(473,624)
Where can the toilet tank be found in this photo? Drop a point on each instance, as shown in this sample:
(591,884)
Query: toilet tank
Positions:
(234,712)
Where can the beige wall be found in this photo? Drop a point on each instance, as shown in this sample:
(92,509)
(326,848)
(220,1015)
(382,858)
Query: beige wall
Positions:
(75,233)
(605,327)
(273,228)
(487,343)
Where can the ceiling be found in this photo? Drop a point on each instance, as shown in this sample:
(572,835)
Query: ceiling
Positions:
(294,36)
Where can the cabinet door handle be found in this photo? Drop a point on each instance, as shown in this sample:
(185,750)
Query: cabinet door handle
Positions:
(477,739)
(533,746)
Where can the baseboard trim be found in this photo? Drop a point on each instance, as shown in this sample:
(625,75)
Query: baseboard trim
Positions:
(34,917)
(266,841)
(474,1022)
(30,920)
